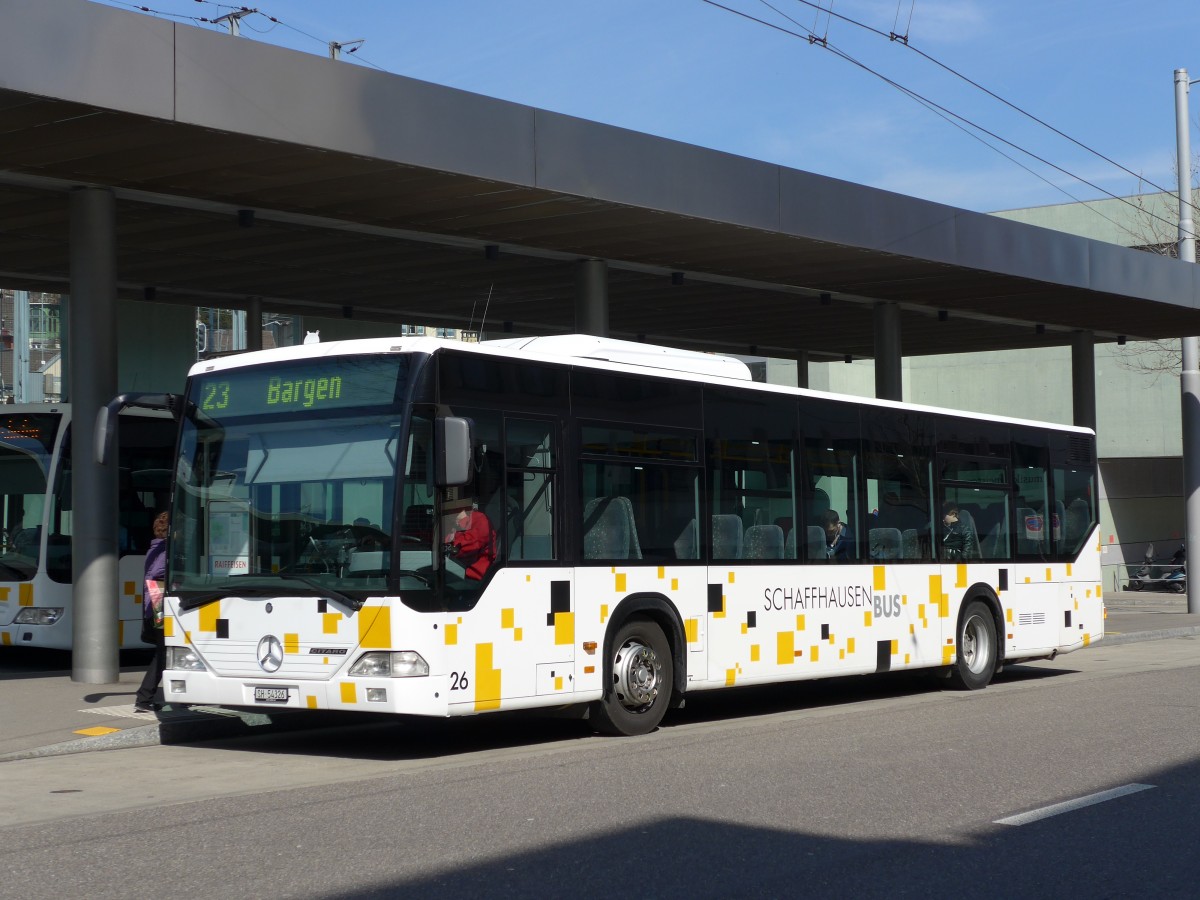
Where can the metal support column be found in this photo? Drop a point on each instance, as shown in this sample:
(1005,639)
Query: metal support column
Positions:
(1083,379)
(93,312)
(889,379)
(1189,380)
(802,369)
(20,358)
(591,297)
(254,324)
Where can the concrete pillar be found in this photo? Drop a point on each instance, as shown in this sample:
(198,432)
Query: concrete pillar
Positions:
(591,297)
(802,369)
(64,348)
(889,379)
(93,373)
(1083,378)
(20,357)
(254,323)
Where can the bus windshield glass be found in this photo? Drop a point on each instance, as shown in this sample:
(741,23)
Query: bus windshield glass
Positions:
(26,447)
(286,476)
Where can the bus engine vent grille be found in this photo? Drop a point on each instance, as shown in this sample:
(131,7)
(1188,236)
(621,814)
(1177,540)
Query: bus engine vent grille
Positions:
(1031,618)
(1079,450)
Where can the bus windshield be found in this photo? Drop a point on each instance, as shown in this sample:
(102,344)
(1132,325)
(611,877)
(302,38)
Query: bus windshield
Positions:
(27,444)
(286,478)
(26,447)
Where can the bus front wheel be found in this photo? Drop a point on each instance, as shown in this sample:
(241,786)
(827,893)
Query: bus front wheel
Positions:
(639,689)
(977,648)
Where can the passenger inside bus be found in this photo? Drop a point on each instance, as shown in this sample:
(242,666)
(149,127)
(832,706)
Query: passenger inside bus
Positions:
(839,542)
(959,541)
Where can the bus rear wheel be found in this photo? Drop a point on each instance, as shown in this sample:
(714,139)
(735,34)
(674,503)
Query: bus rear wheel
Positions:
(977,648)
(639,690)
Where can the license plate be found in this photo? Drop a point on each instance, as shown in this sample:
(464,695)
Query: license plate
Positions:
(271,695)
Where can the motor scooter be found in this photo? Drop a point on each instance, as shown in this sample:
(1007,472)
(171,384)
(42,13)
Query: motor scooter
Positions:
(1158,576)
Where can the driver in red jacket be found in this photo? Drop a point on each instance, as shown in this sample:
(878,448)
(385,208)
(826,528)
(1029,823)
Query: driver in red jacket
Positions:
(472,543)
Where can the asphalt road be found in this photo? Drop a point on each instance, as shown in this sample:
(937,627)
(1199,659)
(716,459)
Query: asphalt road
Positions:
(854,787)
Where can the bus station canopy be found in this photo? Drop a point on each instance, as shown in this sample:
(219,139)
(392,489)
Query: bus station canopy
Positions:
(248,173)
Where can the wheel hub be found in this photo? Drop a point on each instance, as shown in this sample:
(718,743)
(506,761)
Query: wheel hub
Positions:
(975,648)
(637,671)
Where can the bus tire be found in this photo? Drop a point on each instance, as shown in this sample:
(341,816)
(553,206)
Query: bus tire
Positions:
(977,648)
(639,687)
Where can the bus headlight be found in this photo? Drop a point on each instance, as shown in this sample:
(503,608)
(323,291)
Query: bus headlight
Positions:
(184,658)
(38,615)
(390,664)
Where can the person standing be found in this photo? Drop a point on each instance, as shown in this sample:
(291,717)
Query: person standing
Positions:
(958,540)
(153,588)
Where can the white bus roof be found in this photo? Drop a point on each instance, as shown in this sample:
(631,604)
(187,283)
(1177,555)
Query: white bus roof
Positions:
(586,346)
(593,352)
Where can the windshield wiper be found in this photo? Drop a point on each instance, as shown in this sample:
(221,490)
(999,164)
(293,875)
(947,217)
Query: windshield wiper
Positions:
(351,602)
(203,599)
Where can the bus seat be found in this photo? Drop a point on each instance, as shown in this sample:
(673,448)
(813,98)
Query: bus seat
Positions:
(726,537)
(910,540)
(687,545)
(820,504)
(816,542)
(994,545)
(609,531)
(1077,523)
(885,543)
(763,542)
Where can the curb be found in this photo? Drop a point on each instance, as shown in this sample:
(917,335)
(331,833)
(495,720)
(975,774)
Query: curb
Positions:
(198,724)
(184,728)
(1135,637)
(214,723)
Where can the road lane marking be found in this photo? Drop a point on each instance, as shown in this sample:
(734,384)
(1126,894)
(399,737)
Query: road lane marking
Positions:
(1071,805)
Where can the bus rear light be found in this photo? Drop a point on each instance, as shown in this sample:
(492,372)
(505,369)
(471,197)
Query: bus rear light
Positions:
(390,664)
(185,659)
(38,615)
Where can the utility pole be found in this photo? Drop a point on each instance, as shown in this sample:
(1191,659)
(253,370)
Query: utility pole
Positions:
(233,20)
(336,47)
(1189,382)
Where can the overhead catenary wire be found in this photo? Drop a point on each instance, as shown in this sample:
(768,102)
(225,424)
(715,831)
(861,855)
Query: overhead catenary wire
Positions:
(907,25)
(905,41)
(204,20)
(812,38)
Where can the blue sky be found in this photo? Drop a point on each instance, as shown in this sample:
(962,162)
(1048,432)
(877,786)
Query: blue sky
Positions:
(1100,71)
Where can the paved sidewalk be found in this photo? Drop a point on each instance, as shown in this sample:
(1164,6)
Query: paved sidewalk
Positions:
(44,713)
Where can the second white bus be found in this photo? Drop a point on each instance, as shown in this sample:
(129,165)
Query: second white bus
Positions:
(36,516)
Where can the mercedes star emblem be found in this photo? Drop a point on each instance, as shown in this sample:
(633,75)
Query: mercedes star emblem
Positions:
(270,653)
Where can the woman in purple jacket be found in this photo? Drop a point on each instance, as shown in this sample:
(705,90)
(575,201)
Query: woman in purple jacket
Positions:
(152,595)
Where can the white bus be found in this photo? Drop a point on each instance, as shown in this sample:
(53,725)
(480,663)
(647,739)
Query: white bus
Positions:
(36,519)
(659,526)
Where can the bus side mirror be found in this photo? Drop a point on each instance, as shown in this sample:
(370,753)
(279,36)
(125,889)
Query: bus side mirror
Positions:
(452,441)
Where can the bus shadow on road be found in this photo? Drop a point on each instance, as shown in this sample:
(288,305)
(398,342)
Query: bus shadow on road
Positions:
(696,856)
(413,738)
